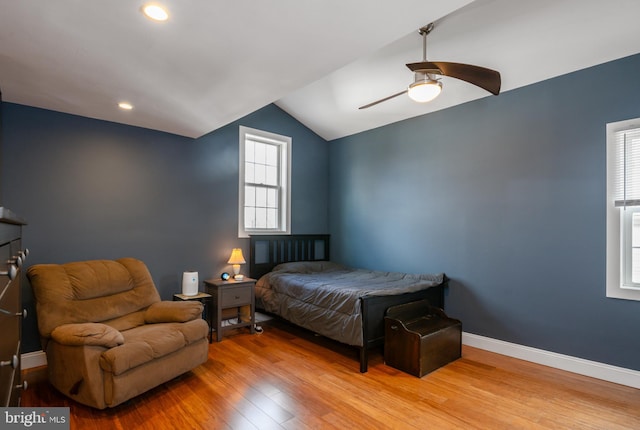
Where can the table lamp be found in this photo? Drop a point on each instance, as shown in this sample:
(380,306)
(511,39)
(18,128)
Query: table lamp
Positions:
(236,260)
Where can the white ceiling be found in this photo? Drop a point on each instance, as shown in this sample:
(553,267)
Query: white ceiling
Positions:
(214,62)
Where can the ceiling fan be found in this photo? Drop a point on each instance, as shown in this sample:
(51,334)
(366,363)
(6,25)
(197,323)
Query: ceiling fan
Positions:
(427,86)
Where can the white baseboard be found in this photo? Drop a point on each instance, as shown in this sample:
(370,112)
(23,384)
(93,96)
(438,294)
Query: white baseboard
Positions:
(33,359)
(606,372)
(594,369)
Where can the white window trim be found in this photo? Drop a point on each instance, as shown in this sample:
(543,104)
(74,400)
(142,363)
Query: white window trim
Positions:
(615,289)
(285,190)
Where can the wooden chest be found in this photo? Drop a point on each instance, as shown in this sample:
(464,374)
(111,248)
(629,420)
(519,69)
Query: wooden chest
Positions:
(420,338)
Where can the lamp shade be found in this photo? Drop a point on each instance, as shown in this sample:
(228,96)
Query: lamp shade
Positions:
(424,90)
(236,257)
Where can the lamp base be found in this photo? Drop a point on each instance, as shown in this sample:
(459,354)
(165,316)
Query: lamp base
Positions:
(238,277)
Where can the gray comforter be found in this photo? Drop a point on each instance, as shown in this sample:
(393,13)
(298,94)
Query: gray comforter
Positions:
(324,297)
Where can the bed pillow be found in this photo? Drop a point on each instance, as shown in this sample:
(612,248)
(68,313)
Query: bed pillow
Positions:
(308,267)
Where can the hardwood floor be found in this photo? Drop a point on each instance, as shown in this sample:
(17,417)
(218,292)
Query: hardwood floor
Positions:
(287,378)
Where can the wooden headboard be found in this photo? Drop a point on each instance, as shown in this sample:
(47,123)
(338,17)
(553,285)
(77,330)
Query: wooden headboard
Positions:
(266,252)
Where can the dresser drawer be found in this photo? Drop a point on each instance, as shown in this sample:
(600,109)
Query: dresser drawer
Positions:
(236,296)
(10,295)
(9,348)
(12,258)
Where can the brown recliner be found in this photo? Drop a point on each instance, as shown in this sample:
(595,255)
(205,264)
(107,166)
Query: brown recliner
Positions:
(107,335)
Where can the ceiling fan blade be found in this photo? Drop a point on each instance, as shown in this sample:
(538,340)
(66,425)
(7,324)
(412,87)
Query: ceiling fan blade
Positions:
(383,100)
(480,76)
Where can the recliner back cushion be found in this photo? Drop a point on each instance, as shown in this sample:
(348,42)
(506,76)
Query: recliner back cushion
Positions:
(97,279)
(90,291)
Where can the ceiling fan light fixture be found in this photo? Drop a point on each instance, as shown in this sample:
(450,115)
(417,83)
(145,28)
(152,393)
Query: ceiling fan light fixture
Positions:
(424,90)
(155,12)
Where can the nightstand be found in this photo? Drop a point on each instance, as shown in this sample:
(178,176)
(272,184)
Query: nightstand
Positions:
(205,299)
(232,299)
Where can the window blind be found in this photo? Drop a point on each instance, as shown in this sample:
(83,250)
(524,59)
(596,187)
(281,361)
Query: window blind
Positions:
(627,179)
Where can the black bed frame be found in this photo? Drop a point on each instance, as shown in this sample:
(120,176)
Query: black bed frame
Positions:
(270,251)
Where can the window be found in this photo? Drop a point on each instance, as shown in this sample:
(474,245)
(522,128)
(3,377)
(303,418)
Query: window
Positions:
(623,210)
(265,183)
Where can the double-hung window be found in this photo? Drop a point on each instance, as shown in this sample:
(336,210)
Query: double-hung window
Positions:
(623,210)
(265,183)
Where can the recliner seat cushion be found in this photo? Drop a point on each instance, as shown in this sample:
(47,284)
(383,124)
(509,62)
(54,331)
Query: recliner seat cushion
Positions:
(148,342)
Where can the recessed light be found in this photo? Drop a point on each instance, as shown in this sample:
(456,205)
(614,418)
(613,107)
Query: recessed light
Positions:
(155,12)
(125,106)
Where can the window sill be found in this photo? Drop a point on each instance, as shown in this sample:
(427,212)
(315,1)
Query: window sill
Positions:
(623,293)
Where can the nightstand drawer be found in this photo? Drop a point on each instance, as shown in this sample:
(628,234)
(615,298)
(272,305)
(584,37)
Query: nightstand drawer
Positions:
(236,296)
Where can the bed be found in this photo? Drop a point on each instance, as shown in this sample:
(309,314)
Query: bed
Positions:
(298,282)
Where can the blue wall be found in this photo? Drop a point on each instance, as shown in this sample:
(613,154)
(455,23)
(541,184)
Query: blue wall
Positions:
(95,189)
(506,196)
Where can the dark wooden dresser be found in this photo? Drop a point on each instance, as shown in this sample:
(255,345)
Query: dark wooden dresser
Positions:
(12,256)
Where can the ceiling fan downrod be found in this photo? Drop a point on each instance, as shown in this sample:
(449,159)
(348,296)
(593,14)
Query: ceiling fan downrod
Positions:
(423,32)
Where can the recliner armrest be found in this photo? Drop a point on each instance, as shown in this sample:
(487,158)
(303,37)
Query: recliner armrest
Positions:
(80,334)
(166,311)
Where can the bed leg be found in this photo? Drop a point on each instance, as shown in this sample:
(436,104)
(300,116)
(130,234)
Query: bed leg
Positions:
(364,359)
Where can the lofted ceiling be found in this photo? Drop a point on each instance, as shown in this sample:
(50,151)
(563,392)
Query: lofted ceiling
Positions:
(214,62)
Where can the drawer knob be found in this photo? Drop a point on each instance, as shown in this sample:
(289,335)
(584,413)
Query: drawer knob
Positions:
(12,270)
(24,254)
(22,386)
(13,362)
(14,314)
